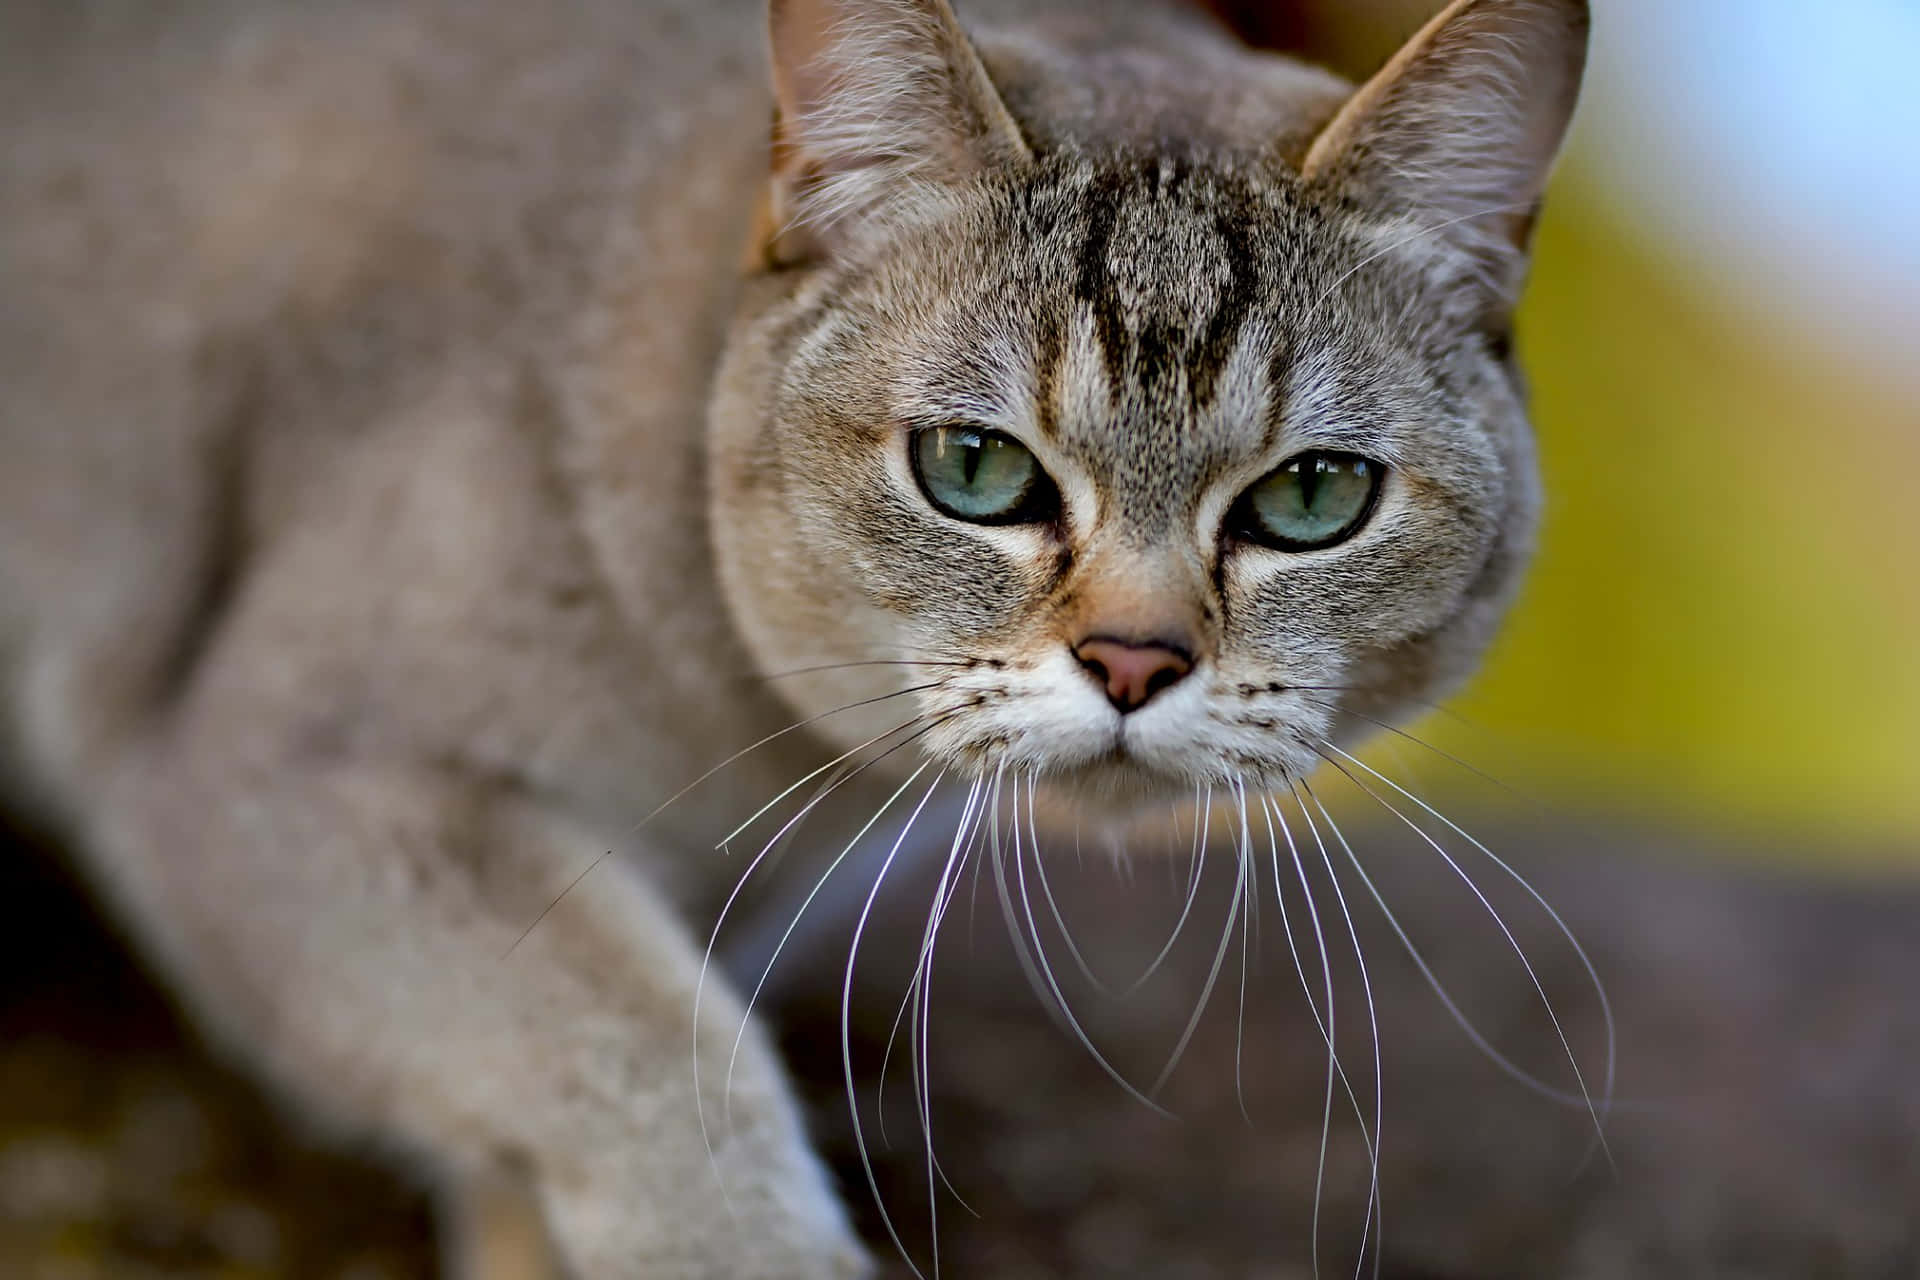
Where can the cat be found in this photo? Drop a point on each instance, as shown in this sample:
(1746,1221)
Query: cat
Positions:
(409,487)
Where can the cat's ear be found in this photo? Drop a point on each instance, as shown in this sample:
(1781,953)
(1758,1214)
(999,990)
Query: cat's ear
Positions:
(880,103)
(1459,131)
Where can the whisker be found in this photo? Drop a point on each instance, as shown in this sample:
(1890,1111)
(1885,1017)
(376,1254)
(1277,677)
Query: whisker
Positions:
(996,853)
(774,851)
(819,884)
(1418,741)
(1270,810)
(1053,905)
(872,662)
(739,887)
(1202,817)
(1430,705)
(943,899)
(920,985)
(1201,833)
(1329,1028)
(921,1064)
(1246,944)
(547,910)
(1586,1099)
(1041,976)
(1219,958)
(1559,923)
(833,784)
(846,1008)
(804,779)
(730,760)
(775,736)
(1466,1025)
(1375,1210)
(971,813)
(973,892)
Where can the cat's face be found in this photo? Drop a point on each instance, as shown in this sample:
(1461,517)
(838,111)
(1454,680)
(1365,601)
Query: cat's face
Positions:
(1144,469)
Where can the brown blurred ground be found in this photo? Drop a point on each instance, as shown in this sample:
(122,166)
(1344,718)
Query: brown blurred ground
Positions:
(1768,1031)
(126,1152)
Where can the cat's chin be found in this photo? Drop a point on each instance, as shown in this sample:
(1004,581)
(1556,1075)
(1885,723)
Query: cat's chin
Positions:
(1115,790)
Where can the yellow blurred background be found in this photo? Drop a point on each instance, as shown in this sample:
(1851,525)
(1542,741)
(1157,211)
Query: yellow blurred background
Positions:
(1723,336)
(1723,619)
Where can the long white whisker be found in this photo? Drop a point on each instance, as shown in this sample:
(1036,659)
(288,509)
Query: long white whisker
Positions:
(970,816)
(1045,985)
(846,1007)
(734,1056)
(1468,1028)
(1375,1209)
(870,662)
(680,794)
(997,850)
(922,1070)
(1219,959)
(1595,1111)
(804,779)
(1251,892)
(775,736)
(1388,726)
(920,991)
(1271,812)
(1046,891)
(1330,1028)
(1193,891)
(1565,930)
(706,959)
(973,890)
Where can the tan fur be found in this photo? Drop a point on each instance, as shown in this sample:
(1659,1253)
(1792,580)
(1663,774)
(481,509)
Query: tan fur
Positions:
(366,572)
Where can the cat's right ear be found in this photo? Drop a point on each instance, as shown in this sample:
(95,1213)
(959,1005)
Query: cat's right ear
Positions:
(880,104)
(1459,131)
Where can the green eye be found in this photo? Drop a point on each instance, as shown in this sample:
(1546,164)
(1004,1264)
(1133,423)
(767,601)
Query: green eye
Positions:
(981,476)
(1315,500)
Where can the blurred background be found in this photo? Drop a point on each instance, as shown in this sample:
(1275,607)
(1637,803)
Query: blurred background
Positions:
(1723,332)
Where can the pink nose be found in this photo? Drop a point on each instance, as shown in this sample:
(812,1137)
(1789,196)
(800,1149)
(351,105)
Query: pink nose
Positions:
(1132,673)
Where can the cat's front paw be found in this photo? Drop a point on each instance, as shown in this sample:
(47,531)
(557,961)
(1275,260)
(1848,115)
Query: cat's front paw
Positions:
(674,1222)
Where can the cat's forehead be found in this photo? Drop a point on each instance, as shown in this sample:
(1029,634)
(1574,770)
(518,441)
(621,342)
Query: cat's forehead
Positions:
(1156,320)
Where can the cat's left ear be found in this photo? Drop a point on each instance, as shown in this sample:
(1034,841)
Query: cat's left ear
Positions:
(880,103)
(1459,132)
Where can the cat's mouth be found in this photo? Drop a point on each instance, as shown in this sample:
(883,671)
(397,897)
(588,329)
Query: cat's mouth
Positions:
(1114,777)
(1119,780)
(1045,727)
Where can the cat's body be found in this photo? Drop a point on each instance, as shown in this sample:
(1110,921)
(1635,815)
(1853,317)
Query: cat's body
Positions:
(356,583)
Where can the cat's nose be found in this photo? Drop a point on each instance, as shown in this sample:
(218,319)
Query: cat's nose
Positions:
(1132,673)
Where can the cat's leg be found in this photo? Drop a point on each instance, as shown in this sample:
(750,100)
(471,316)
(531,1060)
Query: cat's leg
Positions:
(352,925)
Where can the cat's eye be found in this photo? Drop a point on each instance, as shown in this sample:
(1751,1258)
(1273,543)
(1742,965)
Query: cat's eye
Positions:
(981,476)
(1315,500)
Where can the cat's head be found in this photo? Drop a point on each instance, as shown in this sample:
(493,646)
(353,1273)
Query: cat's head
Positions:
(1140,401)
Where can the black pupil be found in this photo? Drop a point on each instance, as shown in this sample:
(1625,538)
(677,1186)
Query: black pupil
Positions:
(972,450)
(1310,469)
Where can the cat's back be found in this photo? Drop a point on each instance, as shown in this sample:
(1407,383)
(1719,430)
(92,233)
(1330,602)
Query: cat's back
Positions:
(234,234)
(222,158)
